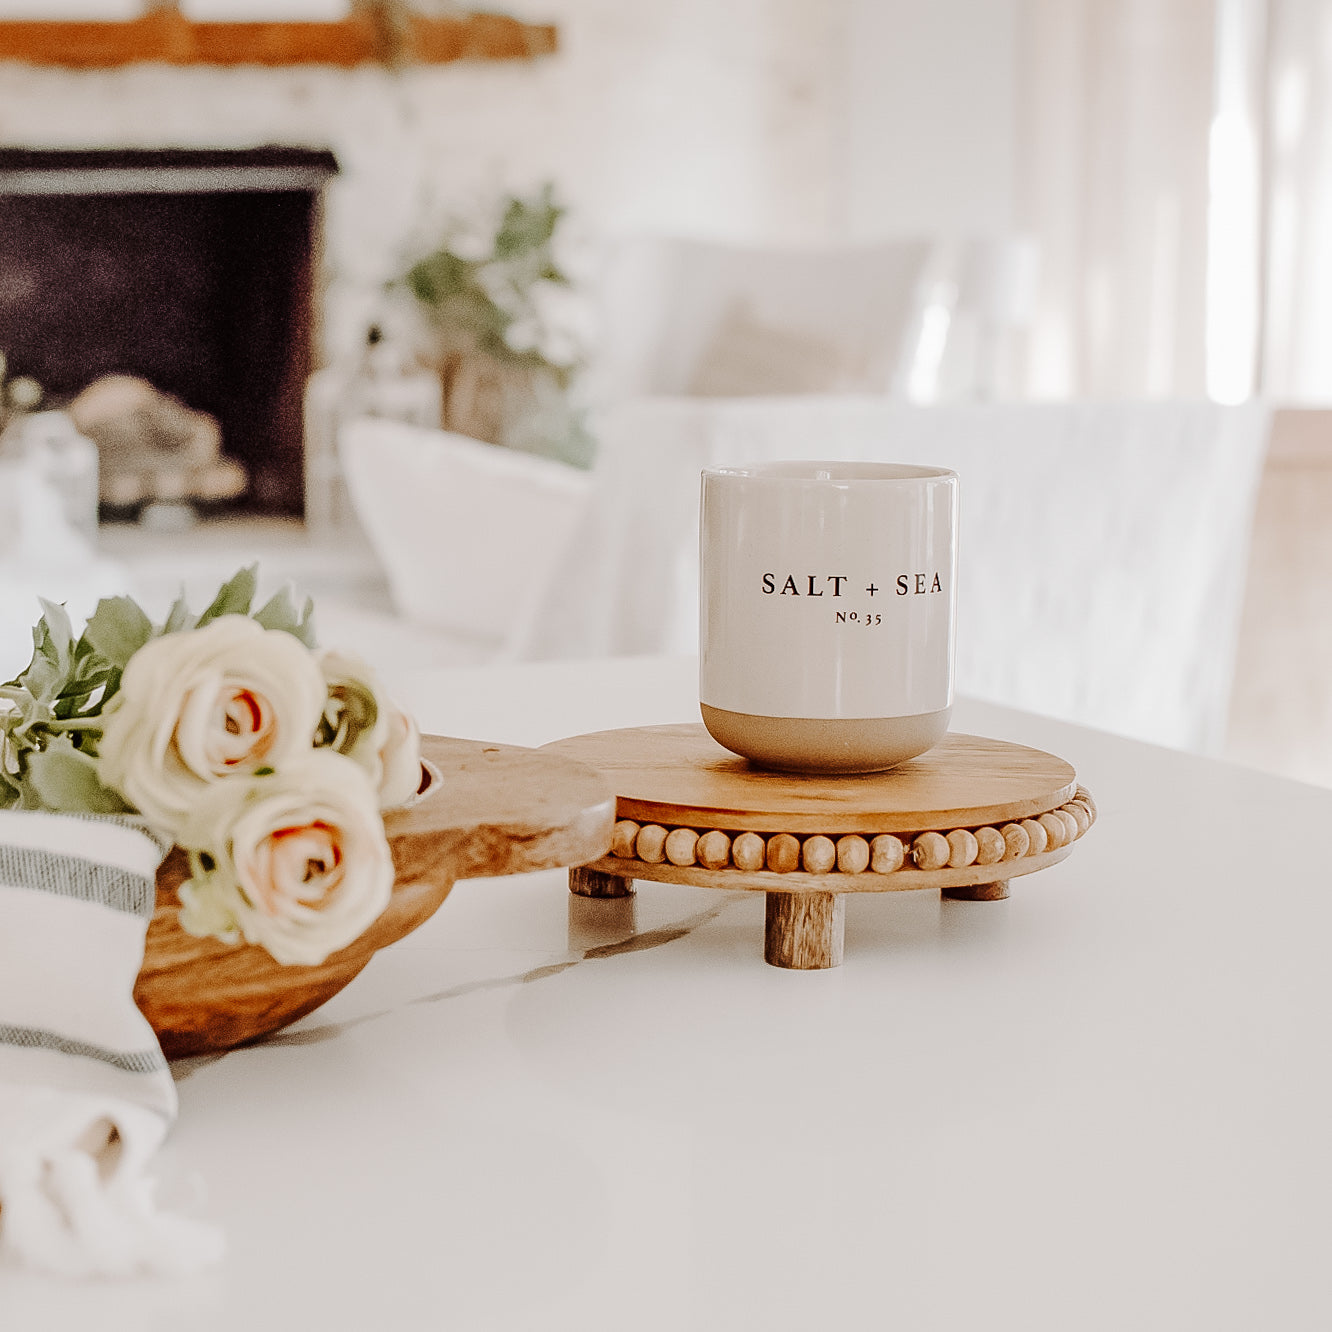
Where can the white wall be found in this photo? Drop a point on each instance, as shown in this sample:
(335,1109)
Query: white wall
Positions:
(930,89)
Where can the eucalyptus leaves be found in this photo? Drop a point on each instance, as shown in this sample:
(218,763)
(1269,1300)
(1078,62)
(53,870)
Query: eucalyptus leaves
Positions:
(230,733)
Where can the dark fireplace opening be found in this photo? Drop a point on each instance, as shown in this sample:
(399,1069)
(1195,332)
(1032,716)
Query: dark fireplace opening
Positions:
(191,269)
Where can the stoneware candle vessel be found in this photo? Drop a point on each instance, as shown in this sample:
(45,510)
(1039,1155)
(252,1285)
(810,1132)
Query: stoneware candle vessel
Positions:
(827,596)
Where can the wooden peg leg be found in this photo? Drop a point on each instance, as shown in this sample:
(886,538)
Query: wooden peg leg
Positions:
(979,892)
(595,922)
(803,931)
(596,883)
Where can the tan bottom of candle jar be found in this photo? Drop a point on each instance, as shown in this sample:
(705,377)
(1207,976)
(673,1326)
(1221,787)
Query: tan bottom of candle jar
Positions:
(832,744)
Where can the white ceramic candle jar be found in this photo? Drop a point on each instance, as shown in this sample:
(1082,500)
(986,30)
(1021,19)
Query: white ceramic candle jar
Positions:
(827,595)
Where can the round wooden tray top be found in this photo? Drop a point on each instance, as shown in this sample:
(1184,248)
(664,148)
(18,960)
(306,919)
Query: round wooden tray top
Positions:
(493,810)
(680,774)
(921,820)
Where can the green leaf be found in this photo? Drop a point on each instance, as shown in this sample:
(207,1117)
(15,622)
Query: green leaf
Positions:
(52,656)
(43,680)
(277,612)
(59,631)
(11,790)
(27,711)
(65,780)
(180,617)
(306,629)
(88,680)
(441,275)
(117,629)
(234,597)
(527,225)
(280,612)
(9,783)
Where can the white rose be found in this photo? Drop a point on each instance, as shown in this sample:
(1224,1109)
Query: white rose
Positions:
(197,706)
(295,861)
(368,727)
(399,756)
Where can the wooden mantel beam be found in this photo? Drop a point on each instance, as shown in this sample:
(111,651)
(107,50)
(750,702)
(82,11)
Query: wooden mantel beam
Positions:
(167,36)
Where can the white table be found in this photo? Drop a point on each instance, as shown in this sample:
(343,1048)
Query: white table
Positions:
(1103,1103)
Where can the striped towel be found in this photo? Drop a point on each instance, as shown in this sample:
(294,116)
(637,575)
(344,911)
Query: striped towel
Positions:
(86,1096)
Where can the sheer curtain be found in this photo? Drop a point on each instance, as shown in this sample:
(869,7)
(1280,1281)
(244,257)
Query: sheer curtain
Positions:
(1174,162)
(1115,104)
(1297,343)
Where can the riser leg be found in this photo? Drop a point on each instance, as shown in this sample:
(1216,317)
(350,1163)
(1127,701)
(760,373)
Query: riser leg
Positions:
(804,931)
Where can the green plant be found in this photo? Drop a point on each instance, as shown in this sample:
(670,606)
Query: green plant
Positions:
(51,715)
(502,305)
(229,734)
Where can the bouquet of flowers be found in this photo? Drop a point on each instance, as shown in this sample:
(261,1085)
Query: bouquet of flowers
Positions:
(231,734)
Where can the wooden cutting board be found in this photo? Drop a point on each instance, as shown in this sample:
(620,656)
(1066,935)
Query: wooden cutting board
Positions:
(492,810)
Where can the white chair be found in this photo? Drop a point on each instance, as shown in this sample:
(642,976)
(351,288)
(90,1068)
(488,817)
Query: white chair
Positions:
(702,318)
(469,534)
(992,284)
(1103,546)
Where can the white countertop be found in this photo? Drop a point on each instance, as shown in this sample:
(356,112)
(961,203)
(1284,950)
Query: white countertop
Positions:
(1102,1104)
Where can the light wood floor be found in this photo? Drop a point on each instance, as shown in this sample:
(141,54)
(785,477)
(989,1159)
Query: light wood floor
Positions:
(1281,711)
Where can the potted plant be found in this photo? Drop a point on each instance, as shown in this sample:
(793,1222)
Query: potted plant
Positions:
(497,306)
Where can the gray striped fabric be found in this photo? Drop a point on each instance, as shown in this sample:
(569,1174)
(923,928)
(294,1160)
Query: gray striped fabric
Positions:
(69,885)
(130,1061)
(86,1096)
(73,876)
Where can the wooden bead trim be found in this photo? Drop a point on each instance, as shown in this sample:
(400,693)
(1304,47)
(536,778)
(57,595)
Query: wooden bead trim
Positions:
(785,853)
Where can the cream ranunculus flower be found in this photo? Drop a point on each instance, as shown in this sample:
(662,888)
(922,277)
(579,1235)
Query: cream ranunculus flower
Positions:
(201,705)
(399,756)
(365,724)
(295,861)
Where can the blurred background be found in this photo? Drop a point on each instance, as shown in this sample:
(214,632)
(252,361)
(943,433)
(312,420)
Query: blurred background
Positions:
(438,313)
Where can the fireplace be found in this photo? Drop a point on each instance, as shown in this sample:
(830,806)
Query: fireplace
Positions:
(192,269)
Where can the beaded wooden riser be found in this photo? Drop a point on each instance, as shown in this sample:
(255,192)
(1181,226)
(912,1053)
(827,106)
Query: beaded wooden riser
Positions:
(965,819)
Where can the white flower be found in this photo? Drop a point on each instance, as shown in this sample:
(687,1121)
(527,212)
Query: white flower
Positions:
(368,727)
(399,756)
(198,706)
(523,334)
(295,861)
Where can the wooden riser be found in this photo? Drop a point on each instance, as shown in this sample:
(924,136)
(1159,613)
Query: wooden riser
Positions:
(674,783)
(904,880)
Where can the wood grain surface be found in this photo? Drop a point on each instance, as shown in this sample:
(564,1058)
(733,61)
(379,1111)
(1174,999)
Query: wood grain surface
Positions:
(680,775)
(804,931)
(495,809)
(163,35)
